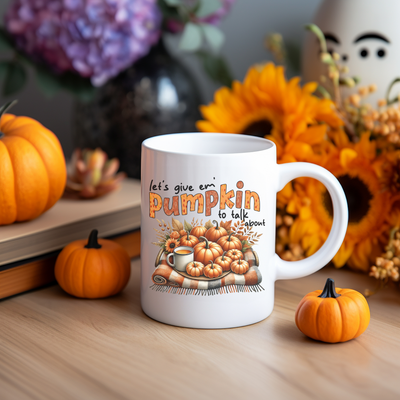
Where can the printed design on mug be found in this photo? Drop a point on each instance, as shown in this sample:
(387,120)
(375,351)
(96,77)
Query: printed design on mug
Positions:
(216,257)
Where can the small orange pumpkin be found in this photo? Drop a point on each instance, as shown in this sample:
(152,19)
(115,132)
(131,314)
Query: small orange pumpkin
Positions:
(212,270)
(224,262)
(93,268)
(189,240)
(195,268)
(331,315)
(230,242)
(206,251)
(198,231)
(240,267)
(182,232)
(216,232)
(235,254)
(32,168)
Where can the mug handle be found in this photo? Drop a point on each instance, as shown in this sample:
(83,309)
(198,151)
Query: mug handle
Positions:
(168,256)
(307,266)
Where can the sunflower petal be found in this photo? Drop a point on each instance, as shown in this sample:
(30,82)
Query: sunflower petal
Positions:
(346,157)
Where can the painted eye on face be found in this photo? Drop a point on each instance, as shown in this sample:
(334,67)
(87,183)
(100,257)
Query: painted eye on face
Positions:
(364,53)
(381,53)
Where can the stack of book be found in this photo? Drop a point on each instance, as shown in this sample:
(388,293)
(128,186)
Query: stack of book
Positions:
(28,250)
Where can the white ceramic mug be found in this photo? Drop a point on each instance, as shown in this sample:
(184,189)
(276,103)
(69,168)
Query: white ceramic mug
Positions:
(192,179)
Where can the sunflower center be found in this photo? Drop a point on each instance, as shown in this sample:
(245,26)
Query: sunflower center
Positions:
(259,128)
(358,198)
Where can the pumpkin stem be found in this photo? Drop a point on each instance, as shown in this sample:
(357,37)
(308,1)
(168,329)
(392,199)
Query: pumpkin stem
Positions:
(92,241)
(188,236)
(223,256)
(229,238)
(203,239)
(329,290)
(4,108)
(216,224)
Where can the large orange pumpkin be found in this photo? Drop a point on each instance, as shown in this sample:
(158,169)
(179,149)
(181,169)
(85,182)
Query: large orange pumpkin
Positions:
(206,251)
(331,315)
(93,268)
(32,168)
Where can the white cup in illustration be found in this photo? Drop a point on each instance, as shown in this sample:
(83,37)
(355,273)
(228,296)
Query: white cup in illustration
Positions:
(182,256)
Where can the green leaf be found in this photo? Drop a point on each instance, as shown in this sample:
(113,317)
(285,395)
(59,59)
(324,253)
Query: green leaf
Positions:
(213,35)
(216,68)
(208,7)
(187,226)
(5,41)
(319,34)
(191,37)
(47,82)
(14,79)
(173,3)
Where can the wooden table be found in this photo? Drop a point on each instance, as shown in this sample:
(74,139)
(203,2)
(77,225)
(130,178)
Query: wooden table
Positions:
(53,346)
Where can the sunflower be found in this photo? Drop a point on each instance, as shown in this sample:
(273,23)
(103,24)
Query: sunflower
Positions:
(171,245)
(267,105)
(360,172)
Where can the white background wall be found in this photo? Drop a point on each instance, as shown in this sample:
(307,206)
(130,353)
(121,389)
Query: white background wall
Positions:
(245,29)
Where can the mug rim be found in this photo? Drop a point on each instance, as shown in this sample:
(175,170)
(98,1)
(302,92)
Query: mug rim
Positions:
(185,247)
(266,144)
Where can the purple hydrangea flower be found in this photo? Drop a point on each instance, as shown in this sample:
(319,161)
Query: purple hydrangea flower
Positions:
(95,38)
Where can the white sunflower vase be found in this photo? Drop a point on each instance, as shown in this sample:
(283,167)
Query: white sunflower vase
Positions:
(366,35)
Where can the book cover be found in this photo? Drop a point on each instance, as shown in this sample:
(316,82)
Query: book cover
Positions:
(69,220)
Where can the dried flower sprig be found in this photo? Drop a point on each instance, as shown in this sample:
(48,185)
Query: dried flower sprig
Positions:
(387,265)
(286,250)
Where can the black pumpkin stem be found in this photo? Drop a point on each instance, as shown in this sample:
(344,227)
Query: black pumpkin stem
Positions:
(92,242)
(216,224)
(329,290)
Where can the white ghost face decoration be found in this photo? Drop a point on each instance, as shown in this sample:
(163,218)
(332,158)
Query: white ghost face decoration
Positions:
(366,35)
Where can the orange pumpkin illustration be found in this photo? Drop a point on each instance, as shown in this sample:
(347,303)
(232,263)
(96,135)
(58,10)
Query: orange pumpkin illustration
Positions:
(189,240)
(224,261)
(198,231)
(216,232)
(240,266)
(235,254)
(195,268)
(230,242)
(212,270)
(206,251)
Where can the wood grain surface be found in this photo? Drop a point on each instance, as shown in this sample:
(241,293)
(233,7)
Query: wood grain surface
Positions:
(53,346)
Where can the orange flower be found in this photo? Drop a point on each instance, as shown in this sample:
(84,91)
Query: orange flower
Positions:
(267,105)
(171,245)
(359,170)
